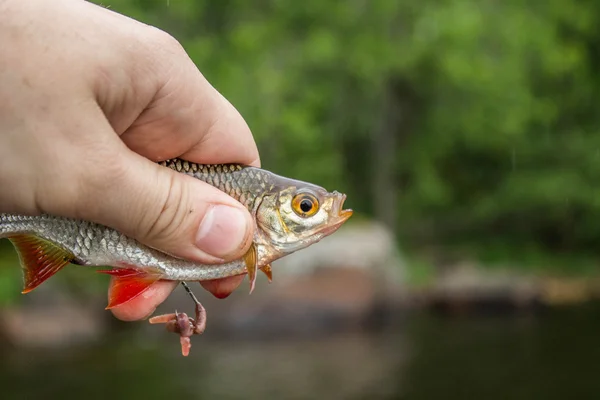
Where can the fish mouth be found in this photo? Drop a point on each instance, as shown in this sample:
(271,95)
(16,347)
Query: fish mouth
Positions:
(340,215)
(343,215)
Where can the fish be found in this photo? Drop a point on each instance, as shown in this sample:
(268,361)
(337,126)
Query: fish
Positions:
(289,215)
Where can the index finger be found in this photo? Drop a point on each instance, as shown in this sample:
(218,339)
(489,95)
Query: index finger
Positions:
(187,117)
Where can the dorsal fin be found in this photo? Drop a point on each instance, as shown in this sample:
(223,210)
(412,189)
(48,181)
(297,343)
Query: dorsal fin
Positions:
(40,259)
(128,284)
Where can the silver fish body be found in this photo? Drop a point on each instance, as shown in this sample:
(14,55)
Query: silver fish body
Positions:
(281,228)
(99,246)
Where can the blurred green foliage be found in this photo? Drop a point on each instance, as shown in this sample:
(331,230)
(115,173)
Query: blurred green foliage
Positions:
(460,123)
(494,132)
(10,276)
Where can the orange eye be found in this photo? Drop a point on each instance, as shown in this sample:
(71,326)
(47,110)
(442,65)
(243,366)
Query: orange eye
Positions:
(305,205)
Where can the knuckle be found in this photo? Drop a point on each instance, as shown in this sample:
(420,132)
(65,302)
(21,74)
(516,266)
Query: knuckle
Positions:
(163,41)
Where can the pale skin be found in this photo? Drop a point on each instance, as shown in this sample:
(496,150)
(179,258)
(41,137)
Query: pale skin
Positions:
(89,100)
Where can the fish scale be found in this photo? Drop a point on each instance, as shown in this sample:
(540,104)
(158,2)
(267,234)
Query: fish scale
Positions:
(47,243)
(105,246)
(109,247)
(244,183)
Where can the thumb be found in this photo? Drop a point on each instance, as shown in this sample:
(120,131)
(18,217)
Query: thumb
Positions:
(169,211)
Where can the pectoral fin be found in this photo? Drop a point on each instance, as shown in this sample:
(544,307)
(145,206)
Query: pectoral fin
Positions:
(250,259)
(40,259)
(128,284)
(268,272)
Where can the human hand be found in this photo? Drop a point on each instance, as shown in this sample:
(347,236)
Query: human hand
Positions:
(89,100)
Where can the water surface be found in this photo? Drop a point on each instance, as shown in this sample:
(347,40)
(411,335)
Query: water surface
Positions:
(554,355)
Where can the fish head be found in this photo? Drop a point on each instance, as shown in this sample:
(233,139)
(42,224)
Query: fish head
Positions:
(298,214)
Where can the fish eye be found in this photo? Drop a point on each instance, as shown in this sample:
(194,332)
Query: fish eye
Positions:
(305,204)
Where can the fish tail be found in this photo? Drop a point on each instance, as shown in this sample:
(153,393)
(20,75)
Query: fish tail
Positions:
(40,259)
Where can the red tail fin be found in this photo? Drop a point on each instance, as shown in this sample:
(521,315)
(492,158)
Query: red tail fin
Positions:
(40,259)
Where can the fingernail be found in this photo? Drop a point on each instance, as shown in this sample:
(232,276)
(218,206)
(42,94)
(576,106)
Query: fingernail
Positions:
(222,231)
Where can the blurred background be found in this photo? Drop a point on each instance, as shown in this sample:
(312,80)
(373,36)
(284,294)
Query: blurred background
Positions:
(467,137)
